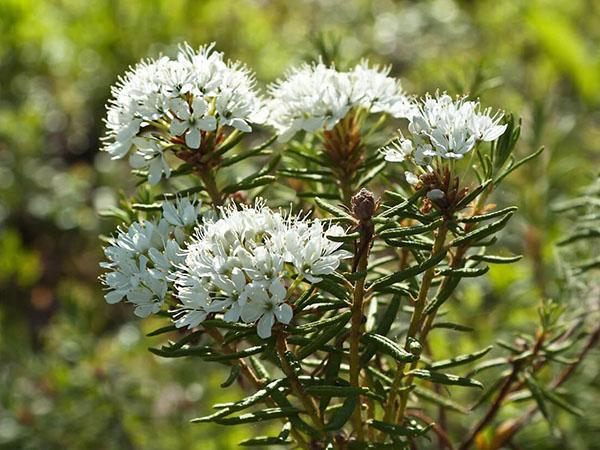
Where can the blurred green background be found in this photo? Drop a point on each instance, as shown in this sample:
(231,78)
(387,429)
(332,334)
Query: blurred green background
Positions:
(74,372)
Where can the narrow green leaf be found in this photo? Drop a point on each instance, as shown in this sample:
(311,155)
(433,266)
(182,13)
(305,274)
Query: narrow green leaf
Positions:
(407,273)
(444,378)
(319,324)
(336,391)
(147,207)
(336,212)
(162,330)
(265,441)
(409,243)
(409,231)
(326,284)
(296,421)
(488,216)
(460,360)
(249,183)
(231,141)
(398,430)
(453,326)
(383,328)
(482,232)
(371,174)
(233,374)
(536,392)
(493,259)
(230,408)
(259,368)
(562,403)
(587,233)
(332,368)
(259,416)
(389,347)
(237,355)
(307,175)
(194,351)
(489,392)
(464,272)
(328,333)
(405,204)
(219,323)
(351,237)
(450,285)
(342,415)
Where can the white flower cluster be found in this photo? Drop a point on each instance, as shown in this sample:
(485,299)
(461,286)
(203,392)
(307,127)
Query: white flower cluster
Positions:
(243,264)
(141,257)
(195,92)
(316,96)
(445,128)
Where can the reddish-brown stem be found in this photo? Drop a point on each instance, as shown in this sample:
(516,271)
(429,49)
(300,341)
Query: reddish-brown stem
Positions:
(510,428)
(505,390)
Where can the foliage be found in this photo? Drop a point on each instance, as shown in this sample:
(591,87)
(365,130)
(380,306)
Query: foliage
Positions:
(534,58)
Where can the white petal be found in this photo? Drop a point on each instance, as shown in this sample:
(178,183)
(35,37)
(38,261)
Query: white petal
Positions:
(114,297)
(284,313)
(192,138)
(251,311)
(207,123)
(264,325)
(241,125)
(178,127)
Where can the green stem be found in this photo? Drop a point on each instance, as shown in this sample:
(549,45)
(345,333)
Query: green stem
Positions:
(356,327)
(294,285)
(457,261)
(210,185)
(413,329)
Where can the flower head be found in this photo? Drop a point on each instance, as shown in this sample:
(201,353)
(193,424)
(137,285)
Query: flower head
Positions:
(141,257)
(242,266)
(316,96)
(447,128)
(194,93)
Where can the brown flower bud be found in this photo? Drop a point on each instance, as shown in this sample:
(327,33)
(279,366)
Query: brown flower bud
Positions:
(364,205)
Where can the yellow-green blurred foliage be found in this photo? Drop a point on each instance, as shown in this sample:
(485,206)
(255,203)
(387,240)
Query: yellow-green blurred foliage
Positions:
(75,374)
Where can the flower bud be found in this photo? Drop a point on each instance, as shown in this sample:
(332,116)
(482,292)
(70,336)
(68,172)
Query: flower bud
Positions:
(414,347)
(435,195)
(364,205)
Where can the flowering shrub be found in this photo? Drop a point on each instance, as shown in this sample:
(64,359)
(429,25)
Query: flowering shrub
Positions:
(325,315)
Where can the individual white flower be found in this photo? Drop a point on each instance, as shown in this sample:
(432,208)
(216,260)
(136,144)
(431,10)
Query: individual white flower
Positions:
(398,150)
(267,306)
(191,122)
(411,178)
(447,128)
(150,155)
(194,92)
(308,248)
(240,264)
(316,96)
(141,257)
(182,215)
